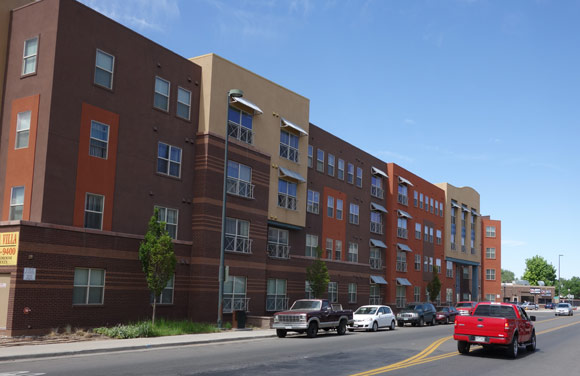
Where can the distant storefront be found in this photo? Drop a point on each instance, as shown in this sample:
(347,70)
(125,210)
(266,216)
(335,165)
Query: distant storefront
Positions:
(512,292)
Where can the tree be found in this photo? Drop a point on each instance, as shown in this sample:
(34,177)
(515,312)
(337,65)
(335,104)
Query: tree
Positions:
(157,258)
(538,269)
(507,276)
(434,287)
(317,275)
(572,284)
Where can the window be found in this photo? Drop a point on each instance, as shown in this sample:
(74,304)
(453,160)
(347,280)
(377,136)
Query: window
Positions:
(286,194)
(313,203)
(240,125)
(237,237)
(441,209)
(161,97)
(431,235)
(183,103)
(353,214)
(375,260)
(376,222)
(415,198)
(490,297)
(353,252)
(449,269)
(94,205)
(239,180)
(338,250)
(418,231)
(329,248)
(490,231)
(490,274)
(311,244)
(29,56)
(166,296)
(350,174)
(330,207)
(104,67)
(330,168)
(426,234)
(352,292)
(402,227)
(417,262)
(425,263)
(22,129)
(439,239)
(449,295)
(88,286)
(278,243)
(375,294)
(377,187)
(320,160)
(438,265)
(426,203)
(289,146)
(402,197)
(421,201)
(276,299)
(235,294)
(169,216)
(401,261)
(16,203)
(401,298)
(359,174)
(490,253)
(417,294)
(168,160)
(339,209)
(333,292)
(310,155)
(430,264)
(99,143)
(309,294)
(340,173)
(465,272)
(431,205)
(436,207)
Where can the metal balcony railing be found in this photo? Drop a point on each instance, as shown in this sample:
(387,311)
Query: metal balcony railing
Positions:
(287,202)
(275,303)
(239,187)
(281,251)
(240,133)
(238,244)
(289,152)
(236,303)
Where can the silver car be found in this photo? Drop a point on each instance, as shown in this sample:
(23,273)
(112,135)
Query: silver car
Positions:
(564,309)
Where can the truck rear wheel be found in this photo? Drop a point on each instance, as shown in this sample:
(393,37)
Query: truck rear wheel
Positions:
(281,333)
(463,347)
(532,345)
(513,348)
(341,328)
(312,329)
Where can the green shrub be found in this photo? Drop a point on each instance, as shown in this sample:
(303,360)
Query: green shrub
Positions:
(162,327)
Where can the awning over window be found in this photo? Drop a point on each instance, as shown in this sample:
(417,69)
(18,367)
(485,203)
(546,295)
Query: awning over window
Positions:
(377,243)
(285,123)
(465,208)
(377,207)
(378,280)
(404,247)
(286,173)
(454,205)
(247,103)
(404,214)
(376,171)
(474,212)
(405,181)
(403,282)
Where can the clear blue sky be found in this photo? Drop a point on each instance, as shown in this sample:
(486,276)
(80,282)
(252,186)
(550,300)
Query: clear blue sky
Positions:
(476,93)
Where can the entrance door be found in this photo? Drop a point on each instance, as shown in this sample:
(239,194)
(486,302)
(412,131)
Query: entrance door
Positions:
(4,295)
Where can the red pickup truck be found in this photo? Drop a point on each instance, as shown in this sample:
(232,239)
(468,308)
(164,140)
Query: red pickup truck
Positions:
(495,324)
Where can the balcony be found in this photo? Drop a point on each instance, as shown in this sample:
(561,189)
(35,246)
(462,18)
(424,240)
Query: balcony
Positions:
(289,152)
(377,228)
(238,244)
(375,300)
(287,202)
(402,232)
(401,302)
(279,251)
(401,266)
(240,187)
(236,303)
(276,303)
(240,133)
(376,263)
(402,199)
(377,192)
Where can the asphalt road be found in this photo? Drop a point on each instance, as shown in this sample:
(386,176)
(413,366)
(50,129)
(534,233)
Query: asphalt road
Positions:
(406,351)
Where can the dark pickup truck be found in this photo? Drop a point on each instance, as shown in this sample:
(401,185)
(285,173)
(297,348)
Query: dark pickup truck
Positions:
(495,324)
(309,315)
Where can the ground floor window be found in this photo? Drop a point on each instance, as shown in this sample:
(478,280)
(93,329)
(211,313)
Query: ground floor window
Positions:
(449,295)
(309,294)
(401,299)
(276,299)
(89,286)
(166,296)
(235,294)
(490,297)
(375,294)
(352,292)
(417,295)
(333,292)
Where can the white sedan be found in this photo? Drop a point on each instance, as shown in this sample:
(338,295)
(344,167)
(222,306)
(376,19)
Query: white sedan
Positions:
(564,309)
(373,317)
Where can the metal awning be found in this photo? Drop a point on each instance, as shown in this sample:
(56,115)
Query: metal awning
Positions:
(377,207)
(285,123)
(454,205)
(377,243)
(247,103)
(378,280)
(376,171)
(405,181)
(465,209)
(404,214)
(474,212)
(403,282)
(286,173)
(404,247)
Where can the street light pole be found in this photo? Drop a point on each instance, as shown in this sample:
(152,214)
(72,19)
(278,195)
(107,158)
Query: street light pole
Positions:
(559,283)
(233,93)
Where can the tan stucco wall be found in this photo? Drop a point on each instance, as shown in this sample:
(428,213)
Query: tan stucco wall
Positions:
(218,77)
(469,197)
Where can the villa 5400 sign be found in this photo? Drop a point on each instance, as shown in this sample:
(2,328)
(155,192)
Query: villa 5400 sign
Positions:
(8,248)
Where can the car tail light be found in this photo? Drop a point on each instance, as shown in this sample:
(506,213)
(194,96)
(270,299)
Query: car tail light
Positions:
(506,326)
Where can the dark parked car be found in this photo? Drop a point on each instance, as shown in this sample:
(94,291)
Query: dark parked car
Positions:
(417,314)
(550,306)
(446,315)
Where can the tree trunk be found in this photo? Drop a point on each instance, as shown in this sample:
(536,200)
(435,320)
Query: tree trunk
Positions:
(154,304)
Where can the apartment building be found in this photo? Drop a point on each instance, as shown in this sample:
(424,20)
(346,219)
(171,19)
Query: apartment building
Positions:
(463,234)
(98,128)
(415,239)
(491,259)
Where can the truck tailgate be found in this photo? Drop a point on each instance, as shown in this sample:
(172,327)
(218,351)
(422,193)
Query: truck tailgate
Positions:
(481,326)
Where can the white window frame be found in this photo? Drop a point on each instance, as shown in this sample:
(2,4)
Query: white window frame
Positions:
(167,96)
(350,173)
(111,72)
(88,286)
(236,185)
(310,155)
(319,162)
(287,151)
(490,253)
(34,56)
(418,262)
(490,274)
(329,248)
(236,298)
(22,127)
(417,293)
(181,90)
(417,231)
(14,204)
(331,160)
(311,245)
(169,161)
(352,252)
(352,293)
(330,206)
(340,169)
(333,292)
(449,269)
(99,141)
(490,231)
(276,298)
(167,290)
(87,194)
(359,177)
(308,292)
(339,209)
(354,214)
(338,250)
(313,202)
(163,215)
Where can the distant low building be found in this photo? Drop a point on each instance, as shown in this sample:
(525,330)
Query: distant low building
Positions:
(523,292)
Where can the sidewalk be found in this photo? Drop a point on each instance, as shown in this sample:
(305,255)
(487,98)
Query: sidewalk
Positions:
(110,345)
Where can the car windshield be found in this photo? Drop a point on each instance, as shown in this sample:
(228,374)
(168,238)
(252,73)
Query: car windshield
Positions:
(366,311)
(495,311)
(562,305)
(468,304)
(301,305)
